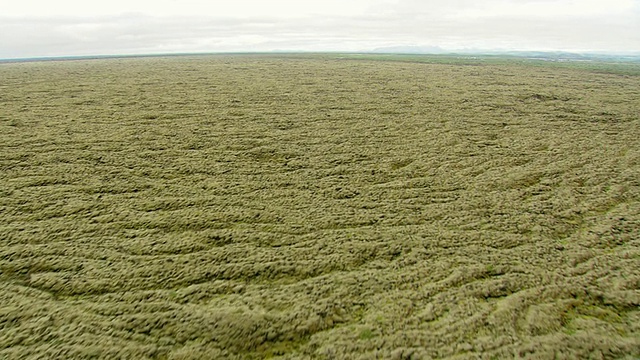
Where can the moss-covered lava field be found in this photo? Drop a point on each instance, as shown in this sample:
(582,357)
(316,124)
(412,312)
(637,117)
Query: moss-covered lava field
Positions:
(319,207)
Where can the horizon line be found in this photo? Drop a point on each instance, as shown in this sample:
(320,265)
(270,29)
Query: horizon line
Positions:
(390,50)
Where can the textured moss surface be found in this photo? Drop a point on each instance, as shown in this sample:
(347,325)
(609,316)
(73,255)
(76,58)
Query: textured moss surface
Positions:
(318,207)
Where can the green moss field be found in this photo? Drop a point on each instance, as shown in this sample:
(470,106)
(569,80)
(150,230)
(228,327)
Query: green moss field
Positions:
(319,206)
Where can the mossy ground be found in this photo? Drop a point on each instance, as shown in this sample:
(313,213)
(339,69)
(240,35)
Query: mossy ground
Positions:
(318,207)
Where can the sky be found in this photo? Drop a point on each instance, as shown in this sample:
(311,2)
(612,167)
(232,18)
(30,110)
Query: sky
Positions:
(43,28)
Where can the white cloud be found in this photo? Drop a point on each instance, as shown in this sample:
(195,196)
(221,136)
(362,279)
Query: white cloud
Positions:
(213,8)
(49,28)
(549,9)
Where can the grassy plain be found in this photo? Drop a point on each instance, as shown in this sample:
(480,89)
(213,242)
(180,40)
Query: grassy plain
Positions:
(319,207)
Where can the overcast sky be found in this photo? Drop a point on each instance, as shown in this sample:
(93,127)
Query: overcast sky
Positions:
(33,28)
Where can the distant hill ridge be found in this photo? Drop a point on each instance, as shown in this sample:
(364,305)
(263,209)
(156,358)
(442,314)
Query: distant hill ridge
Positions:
(551,55)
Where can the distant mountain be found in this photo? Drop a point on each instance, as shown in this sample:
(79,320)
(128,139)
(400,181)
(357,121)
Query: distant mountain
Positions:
(410,50)
(542,55)
(566,55)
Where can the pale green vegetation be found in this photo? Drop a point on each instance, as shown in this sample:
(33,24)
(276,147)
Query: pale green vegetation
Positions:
(319,207)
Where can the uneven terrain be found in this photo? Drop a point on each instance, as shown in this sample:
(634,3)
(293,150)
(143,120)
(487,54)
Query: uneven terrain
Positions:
(329,207)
